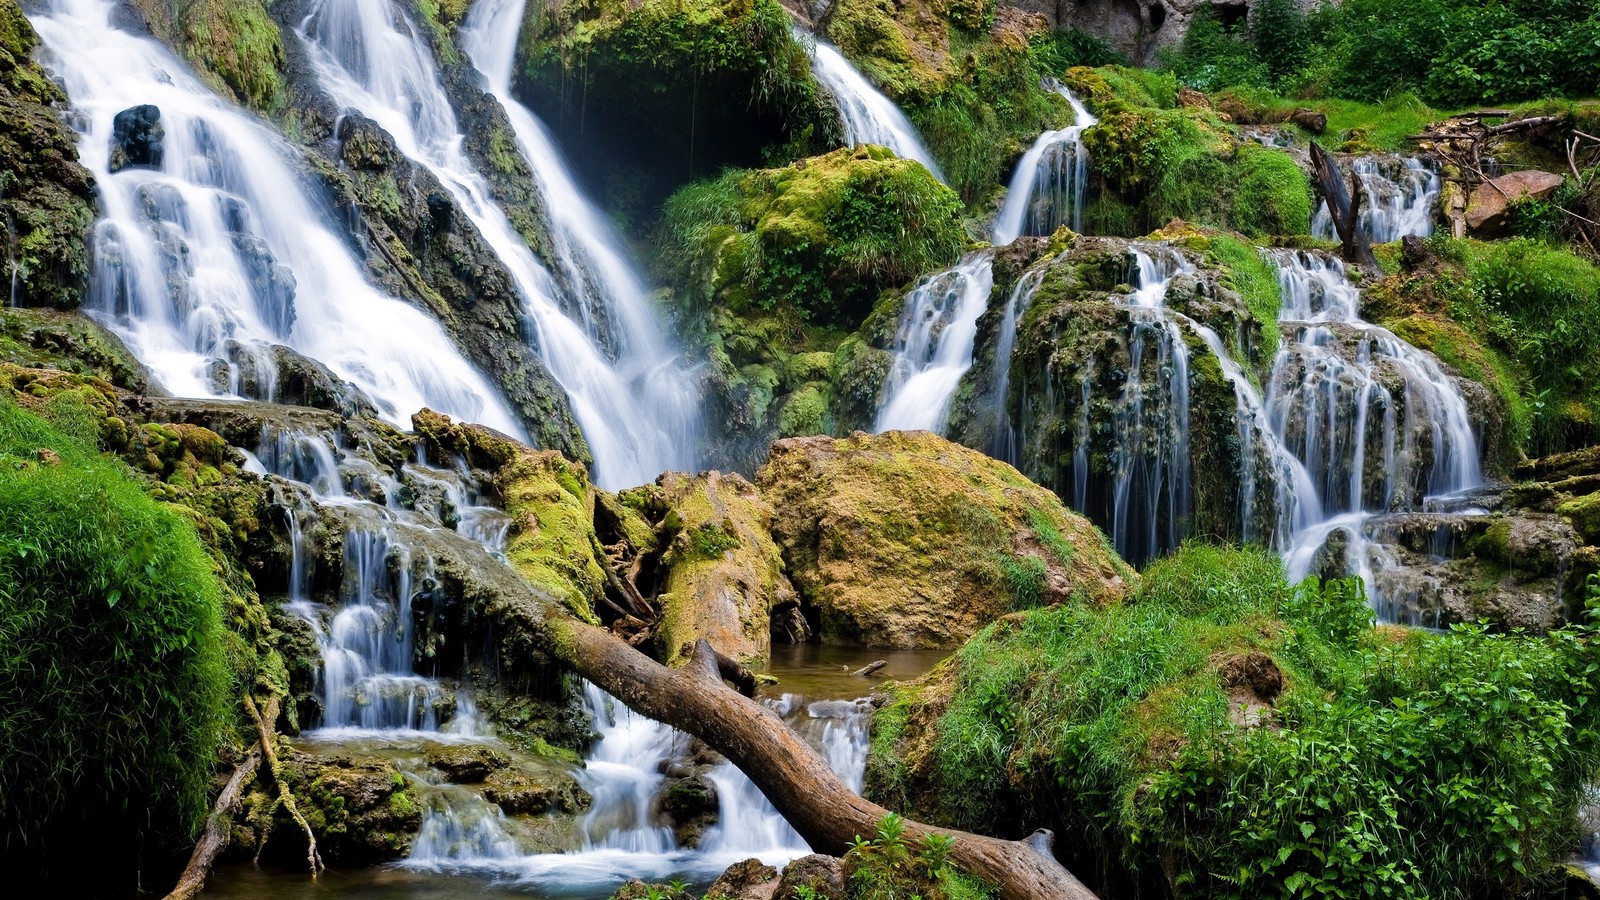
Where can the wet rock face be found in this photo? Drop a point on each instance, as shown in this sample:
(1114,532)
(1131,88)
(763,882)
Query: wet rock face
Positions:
(359,806)
(137,138)
(748,880)
(820,876)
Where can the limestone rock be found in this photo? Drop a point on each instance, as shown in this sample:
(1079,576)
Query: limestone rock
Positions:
(1189,98)
(724,571)
(905,539)
(465,763)
(137,138)
(748,880)
(360,807)
(822,876)
(527,789)
(1490,203)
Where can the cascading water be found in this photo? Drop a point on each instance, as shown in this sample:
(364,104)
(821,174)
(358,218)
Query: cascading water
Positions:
(933,345)
(1051,181)
(210,255)
(586,250)
(371,58)
(869,117)
(622,836)
(1401,196)
(1375,421)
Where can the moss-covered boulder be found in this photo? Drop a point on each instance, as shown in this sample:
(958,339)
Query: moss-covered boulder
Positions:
(46,198)
(647,96)
(724,573)
(773,270)
(360,807)
(907,540)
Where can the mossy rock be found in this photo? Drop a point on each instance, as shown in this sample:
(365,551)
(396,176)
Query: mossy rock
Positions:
(724,573)
(907,540)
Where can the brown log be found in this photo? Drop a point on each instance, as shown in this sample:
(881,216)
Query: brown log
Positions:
(1523,125)
(214,839)
(869,668)
(794,778)
(1346,212)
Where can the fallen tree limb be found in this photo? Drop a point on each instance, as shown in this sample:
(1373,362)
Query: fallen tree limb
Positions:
(869,668)
(214,839)
(264,732)
(794,778)
(1346,212)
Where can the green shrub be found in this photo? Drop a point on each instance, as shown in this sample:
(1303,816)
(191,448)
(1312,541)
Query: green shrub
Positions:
(113,682)
(1271,194)
(1245,738)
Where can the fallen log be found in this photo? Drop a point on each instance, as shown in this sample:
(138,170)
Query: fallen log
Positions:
(1346,212)
(264,730)
(214,838)
(869,668)
(794,778)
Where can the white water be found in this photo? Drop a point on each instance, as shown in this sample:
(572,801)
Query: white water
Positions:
(1051,181)
(203,264)
(1379,429)
(933,345)
(622,835)
(869,117)
(665,399)
(371,58)
(1400,195)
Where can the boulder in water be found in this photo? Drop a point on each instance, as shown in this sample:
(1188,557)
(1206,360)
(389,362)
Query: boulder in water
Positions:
(137,138)
(1489,206)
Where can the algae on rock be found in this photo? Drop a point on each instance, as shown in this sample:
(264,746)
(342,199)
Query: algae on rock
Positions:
(907,540)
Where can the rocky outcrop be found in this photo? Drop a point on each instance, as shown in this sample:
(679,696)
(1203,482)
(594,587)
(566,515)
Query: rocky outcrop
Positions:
(1489,205)
(1139,29)
(138,139)
(359,806)
(46,197)
(724,573)
(907,540)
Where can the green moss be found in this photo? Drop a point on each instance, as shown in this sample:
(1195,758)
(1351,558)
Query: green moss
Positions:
(1271,194)
(239,44)
(1584,512)
(552,541)
(1256,280)
(805,412)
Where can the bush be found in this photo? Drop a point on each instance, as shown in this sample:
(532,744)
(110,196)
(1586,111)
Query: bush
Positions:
(1225,734)
(113,682)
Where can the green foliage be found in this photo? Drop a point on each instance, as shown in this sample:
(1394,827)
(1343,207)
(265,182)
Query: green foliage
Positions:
(819,239)
(1024,577)
(710,541)
(889,866)
(1271,194)
(1249,738)
(113,682)
(1451,52)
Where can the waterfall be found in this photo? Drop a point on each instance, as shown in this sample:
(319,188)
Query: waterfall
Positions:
(588,252)
(1005,443)
(1051,181)
(933,345)
(1401,195)
(868,116)
(218,250)
(371,58)
(1376,422)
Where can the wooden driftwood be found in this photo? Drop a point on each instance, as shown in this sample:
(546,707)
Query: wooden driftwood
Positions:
(1346,211)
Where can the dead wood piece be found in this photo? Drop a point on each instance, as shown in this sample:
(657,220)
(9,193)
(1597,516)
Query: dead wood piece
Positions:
(214,839)
(869,668)
(264,724)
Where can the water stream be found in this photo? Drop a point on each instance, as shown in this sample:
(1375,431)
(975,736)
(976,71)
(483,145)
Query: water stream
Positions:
(869,117)
(1051,181)
(370,57)
(1401,196)
(210,255)
(933,345)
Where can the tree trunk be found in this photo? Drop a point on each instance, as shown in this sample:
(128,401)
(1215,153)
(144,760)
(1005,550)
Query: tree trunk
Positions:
(215,837)
(798,782)
(1346,214)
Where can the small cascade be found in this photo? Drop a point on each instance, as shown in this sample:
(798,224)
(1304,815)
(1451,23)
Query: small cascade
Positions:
(933,345)
(1006,443)
(370,57)
(1401,196)
(1051,181)
(623,836)
(215,248)
(868,116)
(1376,423)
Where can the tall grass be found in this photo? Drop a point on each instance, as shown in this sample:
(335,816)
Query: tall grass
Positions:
(113,681)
